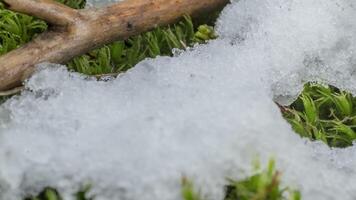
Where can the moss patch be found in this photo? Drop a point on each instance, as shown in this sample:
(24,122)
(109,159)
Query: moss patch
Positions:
(324,113)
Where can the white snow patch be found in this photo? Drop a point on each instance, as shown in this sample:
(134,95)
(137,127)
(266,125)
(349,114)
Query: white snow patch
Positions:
(100,3)
(204,114)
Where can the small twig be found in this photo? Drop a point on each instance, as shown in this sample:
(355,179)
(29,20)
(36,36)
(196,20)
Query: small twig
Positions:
(12,92)
(100,76)
(284,109)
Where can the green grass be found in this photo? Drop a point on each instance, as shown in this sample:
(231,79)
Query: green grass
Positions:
(324,113)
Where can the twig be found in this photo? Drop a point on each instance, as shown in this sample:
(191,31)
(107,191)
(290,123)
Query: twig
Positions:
(12,91)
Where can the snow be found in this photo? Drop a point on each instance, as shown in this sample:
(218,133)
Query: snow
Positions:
(100,3)
(205,113)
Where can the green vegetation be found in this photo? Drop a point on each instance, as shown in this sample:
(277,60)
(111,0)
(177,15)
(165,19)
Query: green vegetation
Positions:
(123,55)
(324,113)
(17,29)
(262,185)
(52,194)
(188,191)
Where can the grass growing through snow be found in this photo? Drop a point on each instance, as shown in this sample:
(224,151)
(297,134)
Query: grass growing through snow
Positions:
(320,113)
(264,184)
(17,29)
(52,194)
(324,113)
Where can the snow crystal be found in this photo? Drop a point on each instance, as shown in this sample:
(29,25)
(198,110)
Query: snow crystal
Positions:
(204,114)
(100,3)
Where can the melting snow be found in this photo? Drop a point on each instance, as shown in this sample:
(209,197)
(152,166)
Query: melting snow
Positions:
(205,113)
(99,3)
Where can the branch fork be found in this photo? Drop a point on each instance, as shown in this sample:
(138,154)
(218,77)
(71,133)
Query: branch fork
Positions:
(75,32)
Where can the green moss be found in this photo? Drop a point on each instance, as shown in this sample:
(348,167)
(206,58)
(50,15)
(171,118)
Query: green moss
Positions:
(188,191)
(261,185)
(17,29)
(52,194)
(123,55)
(324,113)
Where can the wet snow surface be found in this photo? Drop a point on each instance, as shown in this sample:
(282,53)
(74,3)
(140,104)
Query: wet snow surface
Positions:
(100,3)
(204,114)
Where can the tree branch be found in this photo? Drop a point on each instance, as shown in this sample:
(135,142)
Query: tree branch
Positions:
(88,29)
(48,10)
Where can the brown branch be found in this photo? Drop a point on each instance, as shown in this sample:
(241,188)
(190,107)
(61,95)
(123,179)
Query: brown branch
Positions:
(78,32)
(52,12)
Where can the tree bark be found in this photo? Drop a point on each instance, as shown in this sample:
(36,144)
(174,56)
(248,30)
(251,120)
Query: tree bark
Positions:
(75,32)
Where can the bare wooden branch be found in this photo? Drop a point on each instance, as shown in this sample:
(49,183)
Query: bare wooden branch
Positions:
(78,32)
(52,12)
